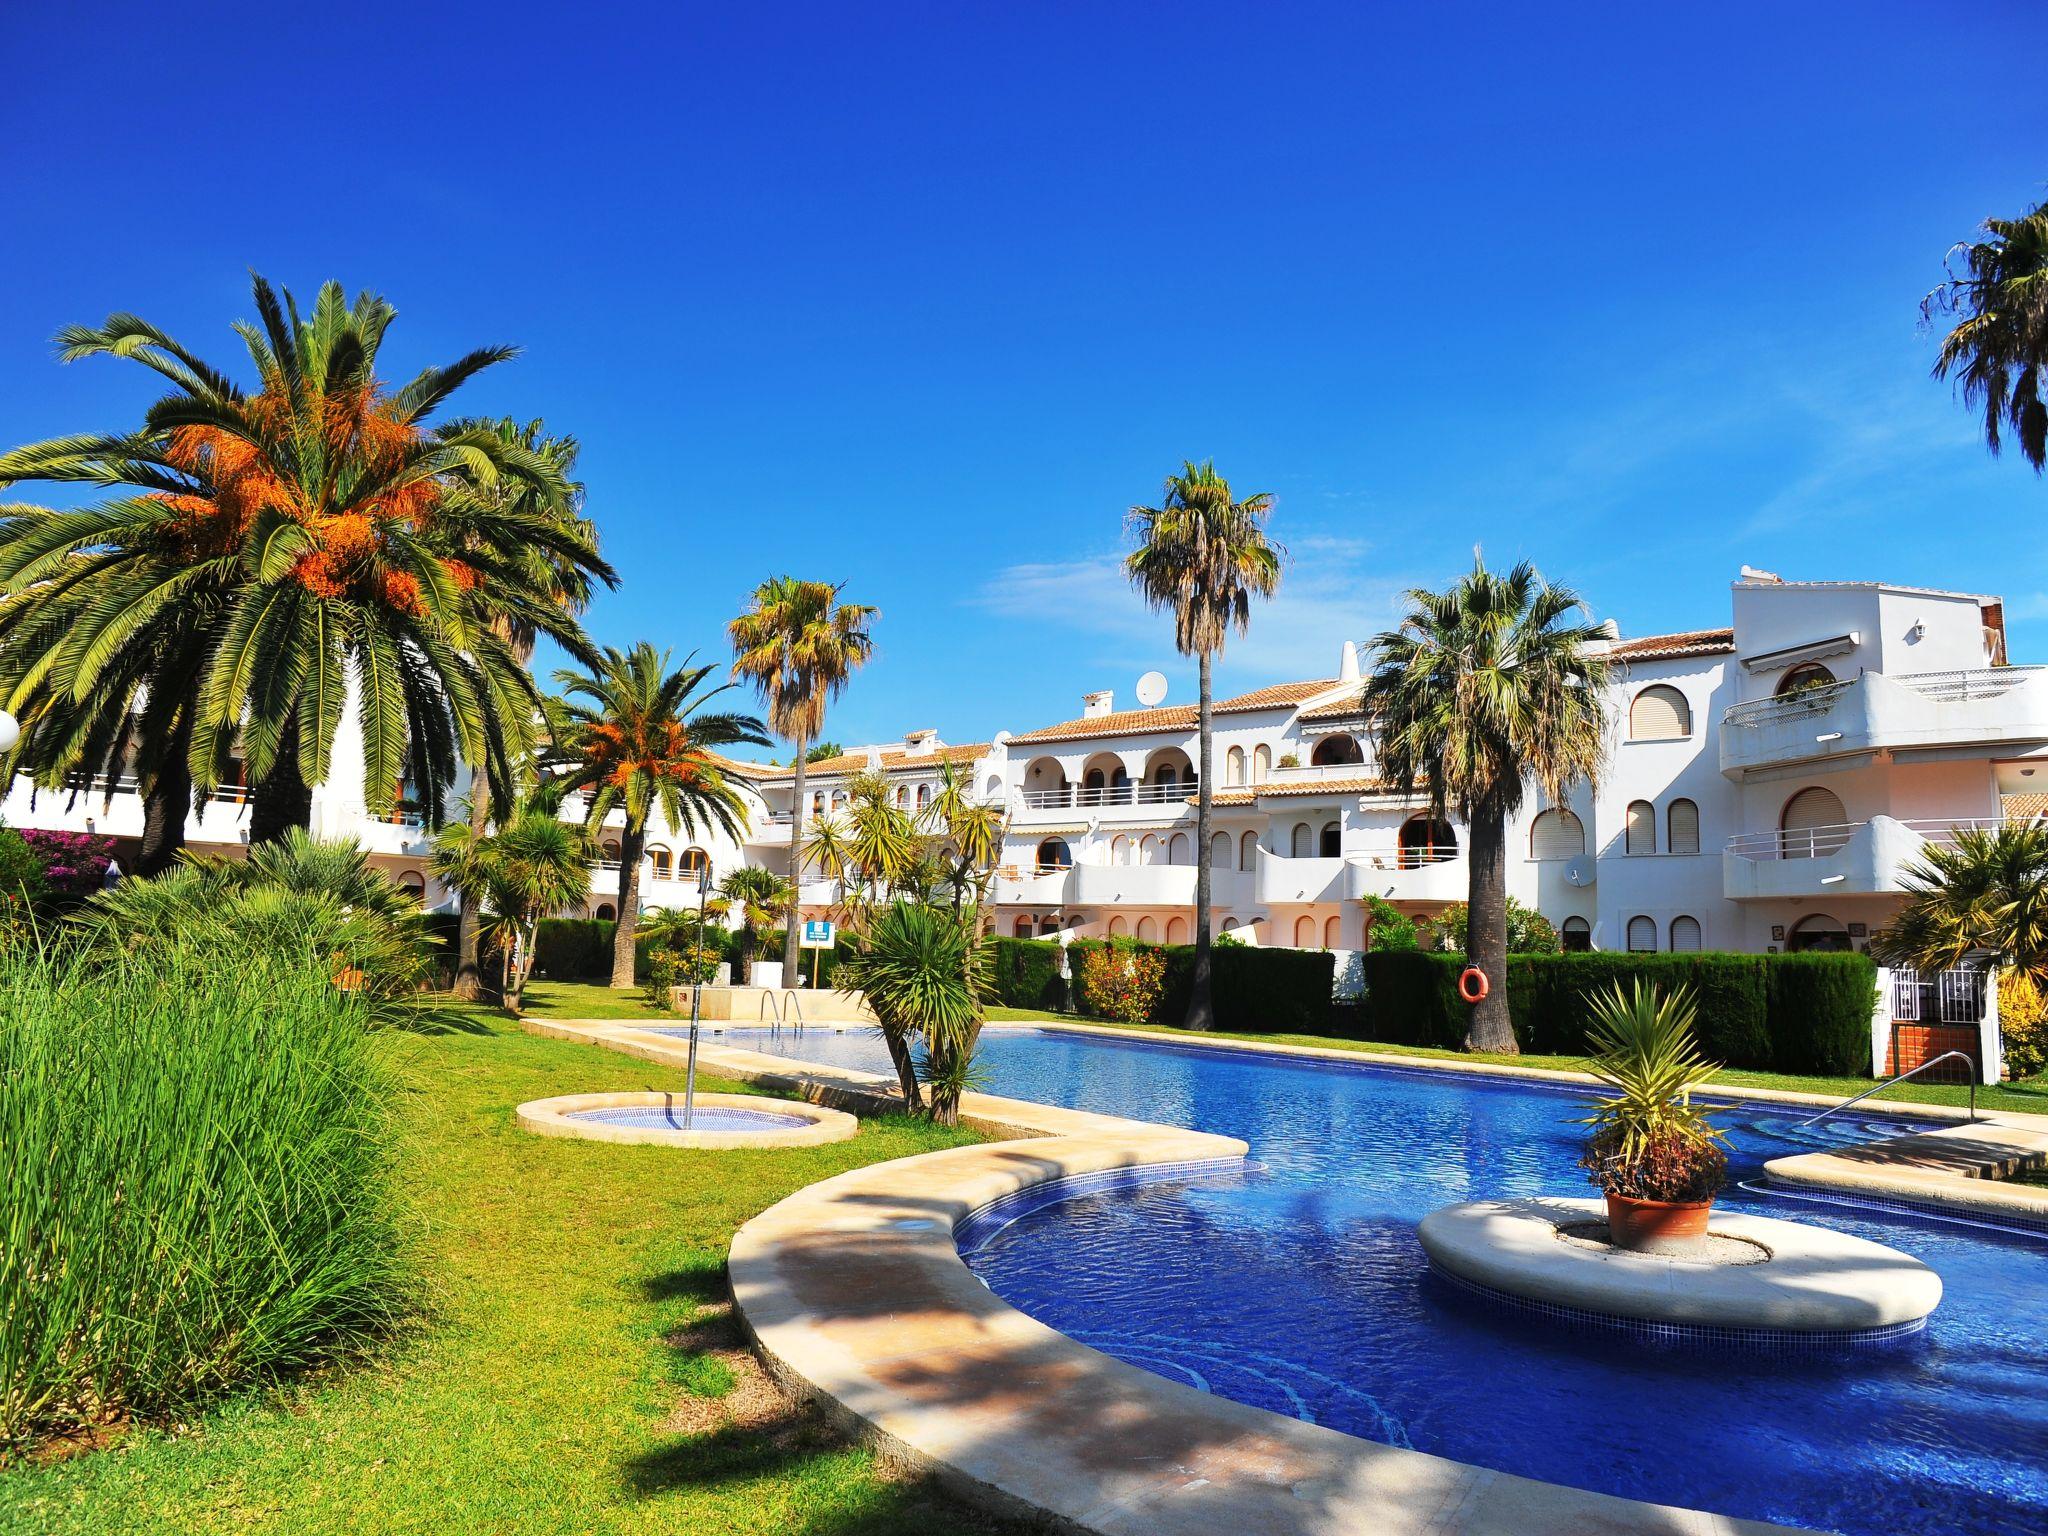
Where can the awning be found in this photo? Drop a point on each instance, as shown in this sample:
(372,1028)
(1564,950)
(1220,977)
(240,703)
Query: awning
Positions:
(1793,655)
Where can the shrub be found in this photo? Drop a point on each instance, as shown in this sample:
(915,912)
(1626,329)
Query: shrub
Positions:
(1787,1013)
(1388,927)
(574,948)
(1026,973)
(1279,991)
(2023,1019)
(1529,931)
(1123,984)
(210,1202)
(22,888)
(74,863)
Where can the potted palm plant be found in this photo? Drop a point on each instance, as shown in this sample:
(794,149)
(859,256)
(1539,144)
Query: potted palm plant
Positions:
(1652,1151)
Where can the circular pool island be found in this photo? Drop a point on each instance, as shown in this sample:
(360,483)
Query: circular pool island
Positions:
(1753,1281)
(717,1121)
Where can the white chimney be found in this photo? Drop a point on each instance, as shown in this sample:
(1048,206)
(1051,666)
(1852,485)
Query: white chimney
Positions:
(920,743)
(1347,663)
(1097,704)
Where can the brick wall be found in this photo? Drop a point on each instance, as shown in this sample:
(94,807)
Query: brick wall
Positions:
(1913,1044)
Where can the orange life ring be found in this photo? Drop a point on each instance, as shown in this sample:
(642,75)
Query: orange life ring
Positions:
(1472,985)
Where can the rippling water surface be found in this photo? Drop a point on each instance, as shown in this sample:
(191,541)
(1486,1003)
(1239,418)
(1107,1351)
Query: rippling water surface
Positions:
(1300,1287)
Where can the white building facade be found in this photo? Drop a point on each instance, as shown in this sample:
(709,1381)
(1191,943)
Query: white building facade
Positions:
(1767,785)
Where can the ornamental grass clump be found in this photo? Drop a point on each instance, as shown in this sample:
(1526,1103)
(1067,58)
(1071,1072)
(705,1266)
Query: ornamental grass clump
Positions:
(196,1188)
(1650,1141)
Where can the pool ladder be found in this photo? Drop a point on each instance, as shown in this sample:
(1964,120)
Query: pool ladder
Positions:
(771,1003)
(1962,1056)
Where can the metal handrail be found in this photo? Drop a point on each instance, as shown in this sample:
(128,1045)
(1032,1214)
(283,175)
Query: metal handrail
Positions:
(1892,1082)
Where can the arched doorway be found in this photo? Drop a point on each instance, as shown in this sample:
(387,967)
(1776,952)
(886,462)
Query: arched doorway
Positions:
(1176,930)
(1053,853)
(1333,750)
(1804,678)
(1576,934)
(1426,840)
(1818,933)
(1331,843)
(1304,932)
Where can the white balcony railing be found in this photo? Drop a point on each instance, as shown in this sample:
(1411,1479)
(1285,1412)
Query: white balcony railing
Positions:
(1825,841)
(1073,797)
(1806,704)
(2005,706)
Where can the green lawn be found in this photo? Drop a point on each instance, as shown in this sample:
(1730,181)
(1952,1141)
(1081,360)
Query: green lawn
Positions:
(577,1371)
(2028,1096)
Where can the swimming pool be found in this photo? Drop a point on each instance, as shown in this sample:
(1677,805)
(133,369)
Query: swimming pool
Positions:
(1298,1286)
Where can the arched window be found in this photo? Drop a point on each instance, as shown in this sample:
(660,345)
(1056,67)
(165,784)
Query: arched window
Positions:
(695,864)
(1556,834)
(1230,925)
(1219,851)
(1425,840)
(1576,934)
(992,786)
(1659,713)
(606,912)
(414,884)
(1167,776)
(1048,926)
(1262,764)
(818,803)
(1804,678)
(1120,850)
(1332,930)
(1332,841)
(1818,932)
(1176,930)
(924,796)
(902,796)
(1641,836)
(1682,828)
(1116,926)
(1332,750)
(664,861)
(1148,849)
(839,800)
(1148,930)
(1177,849)
(610,851)
(1248,851)
(1303,836)
(1813,825)
(1642,935)
(1304,932)
(1233,766)
(1685,935)
(1023,927)
(1053,853)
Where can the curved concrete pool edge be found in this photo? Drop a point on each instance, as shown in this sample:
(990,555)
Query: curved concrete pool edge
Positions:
(854,1292)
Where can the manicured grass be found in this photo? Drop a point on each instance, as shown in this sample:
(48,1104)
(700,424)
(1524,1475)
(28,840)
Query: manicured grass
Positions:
(2029,1096)
(560,1380)
(591,1000)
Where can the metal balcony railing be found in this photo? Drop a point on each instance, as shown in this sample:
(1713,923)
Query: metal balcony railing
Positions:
(1076,797)
(1823,841)
(1979,683)
(1805,704)
(1946,997)
(1412,856)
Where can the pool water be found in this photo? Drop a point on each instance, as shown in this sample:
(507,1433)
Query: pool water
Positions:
(669,1117)
(1298,1285)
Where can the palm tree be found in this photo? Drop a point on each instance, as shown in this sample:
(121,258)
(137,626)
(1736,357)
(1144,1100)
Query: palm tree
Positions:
(1483,687)
(641,742)
(922,969)
(1204,555)
(1984,893)
(335,544)
(799,646)
(967,834)
(567,583)
(1997,351)
(760,899)
(871,847)
(534,864)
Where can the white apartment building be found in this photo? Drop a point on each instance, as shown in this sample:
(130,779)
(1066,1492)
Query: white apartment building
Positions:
(1767,784)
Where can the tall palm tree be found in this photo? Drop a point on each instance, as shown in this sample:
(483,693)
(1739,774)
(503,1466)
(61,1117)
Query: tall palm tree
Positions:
(1984,893)
(799,646)
(968,834)
(1997,351)
(1484,687)
(340,548)
(567,583)
(1203,555)
(634,736)
(760,899)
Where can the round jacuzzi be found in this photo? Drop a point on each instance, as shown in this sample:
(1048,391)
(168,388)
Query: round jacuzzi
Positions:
(714,1121)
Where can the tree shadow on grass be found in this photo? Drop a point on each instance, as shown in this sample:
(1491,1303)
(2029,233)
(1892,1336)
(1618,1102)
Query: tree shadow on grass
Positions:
(433,1018)
(704,1285)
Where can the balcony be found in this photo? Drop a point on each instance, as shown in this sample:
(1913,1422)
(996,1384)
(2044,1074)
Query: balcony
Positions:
(771,831)
(1289,882)
(1132,885)
(1857,858)
(1044,886)
(1136,802)
(1417,872)
(1993,706)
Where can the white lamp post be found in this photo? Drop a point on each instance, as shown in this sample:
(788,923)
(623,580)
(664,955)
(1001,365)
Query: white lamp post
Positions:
(10,731)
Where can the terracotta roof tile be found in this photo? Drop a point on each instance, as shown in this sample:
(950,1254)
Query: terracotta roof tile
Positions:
(1177,717)
(896,759)
(1348,708)
(1359,786)
(1689,642)
(2019,807)
(1273,697)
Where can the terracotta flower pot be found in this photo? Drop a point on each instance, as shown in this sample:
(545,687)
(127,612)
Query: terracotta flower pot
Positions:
(1635,1223)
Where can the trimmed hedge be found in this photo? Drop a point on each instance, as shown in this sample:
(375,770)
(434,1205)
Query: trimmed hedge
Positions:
(580,949)
(1783,1013)
(1281,991)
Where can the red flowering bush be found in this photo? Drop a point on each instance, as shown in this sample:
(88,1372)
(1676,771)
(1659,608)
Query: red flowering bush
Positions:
(1123,984)
(1675,1167)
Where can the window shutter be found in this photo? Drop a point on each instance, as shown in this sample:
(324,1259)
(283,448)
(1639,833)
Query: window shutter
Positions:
(1685,935)
(1684,822)
(1557,834)
(1805,813)
(1642,935)
(1659,714)
(1642,828)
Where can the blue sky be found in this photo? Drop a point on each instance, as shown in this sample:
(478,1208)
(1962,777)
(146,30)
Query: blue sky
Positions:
(921,298)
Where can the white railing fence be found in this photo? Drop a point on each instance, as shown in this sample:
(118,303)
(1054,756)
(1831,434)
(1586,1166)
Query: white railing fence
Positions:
(1979,683)
(1946,997)
(1806,703)
(1822,841)
(1074,797)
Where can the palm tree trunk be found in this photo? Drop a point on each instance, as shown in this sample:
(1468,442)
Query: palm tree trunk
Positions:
(1486,941)
(283,800)
(167,802)
(1201,994)
(796,867)
(906,1069)
(469,974)
(631,840)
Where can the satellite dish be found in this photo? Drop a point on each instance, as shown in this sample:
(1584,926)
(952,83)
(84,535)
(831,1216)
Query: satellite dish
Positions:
(1151,688)
(1579,870)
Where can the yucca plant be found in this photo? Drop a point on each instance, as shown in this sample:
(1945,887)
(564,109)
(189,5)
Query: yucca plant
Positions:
(923,969)
(1649,1140)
